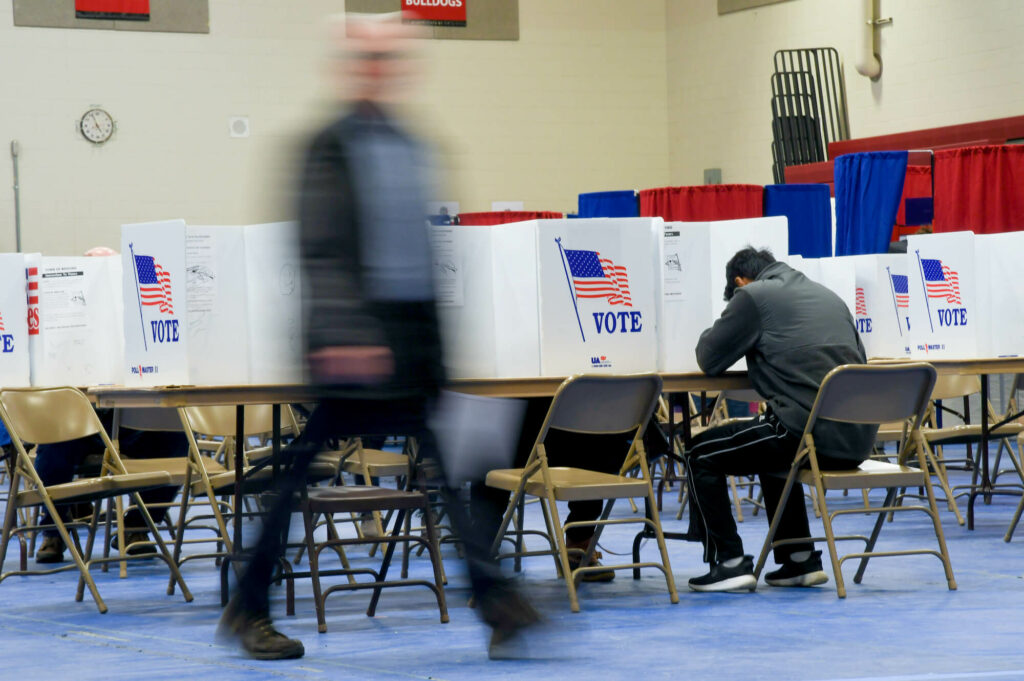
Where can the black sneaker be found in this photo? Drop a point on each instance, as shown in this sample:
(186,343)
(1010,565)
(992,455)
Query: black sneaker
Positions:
(804,573)
(257,635)
(51,550)
(722,578)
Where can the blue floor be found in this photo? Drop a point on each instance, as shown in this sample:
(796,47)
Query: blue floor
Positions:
(901,624)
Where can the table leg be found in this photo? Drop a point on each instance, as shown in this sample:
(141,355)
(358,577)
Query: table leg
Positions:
(985,484)
(239,476)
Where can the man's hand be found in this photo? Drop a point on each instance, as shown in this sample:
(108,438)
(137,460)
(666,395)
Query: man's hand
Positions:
(363,364)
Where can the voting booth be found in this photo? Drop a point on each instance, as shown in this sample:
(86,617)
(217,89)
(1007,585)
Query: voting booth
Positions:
(218,316)
(155,303)
(549,297)
(882,311)
(14,339)
(78,340)
(273,290)
(836,274)
(947,320)
(690,294)
(1000,294)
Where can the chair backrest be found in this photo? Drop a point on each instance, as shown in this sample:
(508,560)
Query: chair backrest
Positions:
(950,386)
(874,393)
(46,415)
(219,420)
(153,419)
(603,404)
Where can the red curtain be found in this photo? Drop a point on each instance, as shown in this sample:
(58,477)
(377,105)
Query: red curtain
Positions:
(980,189)
(502,217)
(705,202)
(112,9)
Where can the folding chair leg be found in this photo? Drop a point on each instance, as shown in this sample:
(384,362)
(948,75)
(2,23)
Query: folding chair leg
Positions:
(551,540)
(735,498)
(389,553)
(563,556)
(162,549)
(314,571)
(830,538)
(76,556)
(433,549)
(940,473)
(87,556)
(670,580)
(1016,519)
(890,495)
(594,539)
(934,513)
(774,525)
(517,562)
(332,534)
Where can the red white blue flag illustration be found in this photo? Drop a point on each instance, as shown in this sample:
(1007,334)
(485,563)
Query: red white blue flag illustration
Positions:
(862,306)
(597,277)
(901,289)
(154,284)
(940,281)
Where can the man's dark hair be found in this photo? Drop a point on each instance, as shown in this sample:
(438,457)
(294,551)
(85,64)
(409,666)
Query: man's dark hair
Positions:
(747,264)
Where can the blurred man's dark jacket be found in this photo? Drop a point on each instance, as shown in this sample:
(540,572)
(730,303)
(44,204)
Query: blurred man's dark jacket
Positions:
(366,250)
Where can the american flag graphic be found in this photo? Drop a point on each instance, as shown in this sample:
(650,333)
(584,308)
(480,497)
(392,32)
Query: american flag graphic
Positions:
(862,306)
(900,287)
(597,277)
(940,281)
(1,322)
(154,283)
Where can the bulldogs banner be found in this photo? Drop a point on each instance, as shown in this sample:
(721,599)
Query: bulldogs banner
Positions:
(14,350)
(155,303)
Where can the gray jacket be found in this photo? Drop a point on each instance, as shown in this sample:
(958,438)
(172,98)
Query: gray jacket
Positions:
(793,331)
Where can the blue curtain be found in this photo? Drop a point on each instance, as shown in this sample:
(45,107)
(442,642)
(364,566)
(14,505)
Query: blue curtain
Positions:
(868,190)
(622,204)
(808,209)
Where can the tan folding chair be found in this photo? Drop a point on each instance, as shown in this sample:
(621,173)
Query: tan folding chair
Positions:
(948,388)
(211,479)
(867,394)
(592,405)
(49,415)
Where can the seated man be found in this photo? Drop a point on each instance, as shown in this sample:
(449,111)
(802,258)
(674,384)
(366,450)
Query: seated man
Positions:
(56,463)
(792,332)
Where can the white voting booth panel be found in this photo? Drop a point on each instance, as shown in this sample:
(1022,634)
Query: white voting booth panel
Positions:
(14,339)
(549,297)
(945,311)
(694,256)
(155,303)
(883,304)
(218,315)
(836,274)
(1000,293)
(597,305)
(486,282)
(274,303)
(80,312)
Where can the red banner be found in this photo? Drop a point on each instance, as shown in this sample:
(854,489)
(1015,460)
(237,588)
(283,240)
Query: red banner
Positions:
(436,12)
(133,10)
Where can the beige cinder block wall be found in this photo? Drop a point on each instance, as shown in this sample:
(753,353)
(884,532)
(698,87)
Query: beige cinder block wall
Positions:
(579,103)
(944,62)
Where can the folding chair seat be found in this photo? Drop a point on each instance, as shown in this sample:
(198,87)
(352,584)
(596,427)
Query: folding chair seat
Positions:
(866,394)
(593,405)
(327,501)
(49,415)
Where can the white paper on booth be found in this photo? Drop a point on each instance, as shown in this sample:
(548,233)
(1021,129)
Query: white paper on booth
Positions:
(682,318)
(468,330)
(673,285)
(597,302)
(516,299)
(155,303)
(80,322)
(14,339)
(449,267)
(215,283)
(945,318)
(274,298)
